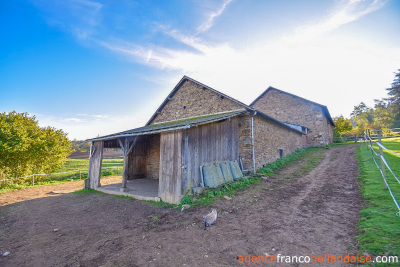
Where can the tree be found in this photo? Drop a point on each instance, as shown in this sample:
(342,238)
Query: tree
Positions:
(394,91)
(342,125)
(383,117)
(26,148)
(81,146)
(394,99)
(362,111)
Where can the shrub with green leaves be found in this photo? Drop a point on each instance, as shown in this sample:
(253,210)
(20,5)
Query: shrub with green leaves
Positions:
(26,148)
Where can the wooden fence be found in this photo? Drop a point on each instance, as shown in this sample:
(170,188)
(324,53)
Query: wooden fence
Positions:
(40,178)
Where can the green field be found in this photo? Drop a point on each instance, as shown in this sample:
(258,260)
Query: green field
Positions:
(75,164)
(379,226)
(112,166)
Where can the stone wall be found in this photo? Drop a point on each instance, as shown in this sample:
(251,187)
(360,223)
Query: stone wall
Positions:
(269,138)
(288,108)
(192,100)
(245,143)
(153,157)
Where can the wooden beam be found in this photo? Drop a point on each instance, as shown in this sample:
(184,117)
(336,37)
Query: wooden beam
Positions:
(96,156)
(126,148)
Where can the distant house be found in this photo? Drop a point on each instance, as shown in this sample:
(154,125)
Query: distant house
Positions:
(195,126)
(290,108)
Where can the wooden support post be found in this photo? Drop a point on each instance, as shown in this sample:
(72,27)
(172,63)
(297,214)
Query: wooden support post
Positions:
(80,175)
(95,161)
(33,180)
(126,148)
(383,167)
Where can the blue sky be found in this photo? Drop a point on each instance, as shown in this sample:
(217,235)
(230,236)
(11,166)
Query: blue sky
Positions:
(97,67)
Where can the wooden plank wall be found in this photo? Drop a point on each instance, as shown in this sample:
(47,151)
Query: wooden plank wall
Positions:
(206,144)
(95,165)
(169,187)
(137,158)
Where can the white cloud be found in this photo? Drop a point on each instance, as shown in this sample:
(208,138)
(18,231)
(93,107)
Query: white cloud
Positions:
(309,63)
(345,13)
(85,126)
(334,71)
(212,16)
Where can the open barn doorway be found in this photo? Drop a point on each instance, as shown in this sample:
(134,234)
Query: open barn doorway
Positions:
(142,167)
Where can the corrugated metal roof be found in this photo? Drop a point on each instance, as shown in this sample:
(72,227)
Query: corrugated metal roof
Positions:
(172,125)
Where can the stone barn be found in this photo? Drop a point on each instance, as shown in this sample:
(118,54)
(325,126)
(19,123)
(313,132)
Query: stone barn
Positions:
(290,108)
(195,126)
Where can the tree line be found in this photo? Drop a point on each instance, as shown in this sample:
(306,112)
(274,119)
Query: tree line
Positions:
(385,113)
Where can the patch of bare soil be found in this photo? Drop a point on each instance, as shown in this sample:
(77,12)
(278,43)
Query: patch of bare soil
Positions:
(314,213)
(29,193)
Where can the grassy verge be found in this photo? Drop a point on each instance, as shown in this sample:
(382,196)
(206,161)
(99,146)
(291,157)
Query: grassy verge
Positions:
(87,191)
(379,226)
(208,197)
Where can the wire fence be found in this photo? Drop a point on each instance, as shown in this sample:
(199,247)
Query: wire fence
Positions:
(41,178)
(369,140)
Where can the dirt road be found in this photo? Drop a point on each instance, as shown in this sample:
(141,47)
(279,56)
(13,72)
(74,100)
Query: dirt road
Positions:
(288,214)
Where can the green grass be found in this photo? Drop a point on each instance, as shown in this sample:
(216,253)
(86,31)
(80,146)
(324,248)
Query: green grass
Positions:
(162,204)
(379,226)
(309,156)
(70,165)
(123,197)
(75,164)
(87,191)
(392,144)
(208,197)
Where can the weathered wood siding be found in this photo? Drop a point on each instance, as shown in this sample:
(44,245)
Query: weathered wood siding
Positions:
(215,142)
(137,158)
(169,188)
(95,164)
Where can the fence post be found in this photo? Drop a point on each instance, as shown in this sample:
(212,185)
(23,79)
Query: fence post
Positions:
(33,180)
(382,163)
(80,174)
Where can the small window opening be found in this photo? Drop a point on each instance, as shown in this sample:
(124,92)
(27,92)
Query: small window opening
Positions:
(280,153)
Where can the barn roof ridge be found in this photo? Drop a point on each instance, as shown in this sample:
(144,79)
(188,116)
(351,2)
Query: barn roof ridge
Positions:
(324,108)
(178,85)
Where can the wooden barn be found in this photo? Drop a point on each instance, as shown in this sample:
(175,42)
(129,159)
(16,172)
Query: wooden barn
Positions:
(195,126)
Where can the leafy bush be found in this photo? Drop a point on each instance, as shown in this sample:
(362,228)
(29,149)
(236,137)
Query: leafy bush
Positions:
(26,148)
